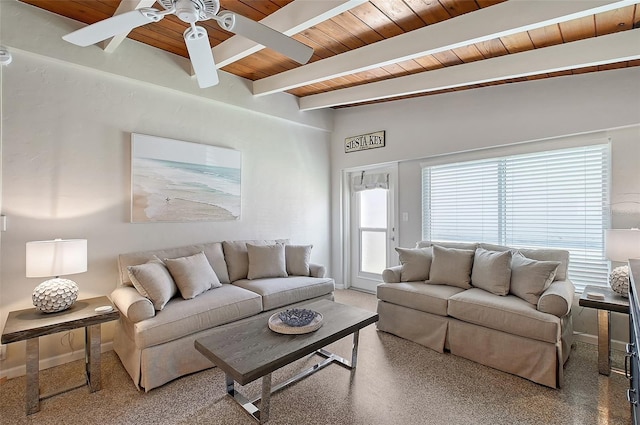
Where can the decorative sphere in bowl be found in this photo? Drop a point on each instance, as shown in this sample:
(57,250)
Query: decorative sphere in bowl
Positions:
(297,317)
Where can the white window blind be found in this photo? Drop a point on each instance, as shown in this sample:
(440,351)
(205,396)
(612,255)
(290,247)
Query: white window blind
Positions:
(552,199)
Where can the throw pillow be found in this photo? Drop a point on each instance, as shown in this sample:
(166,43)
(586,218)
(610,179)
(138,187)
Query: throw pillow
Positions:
(451,266)
(266,261)
(193,275)
(153,281)
(416,263)
(492,271)
(297,258)
(237,259)
(530,278)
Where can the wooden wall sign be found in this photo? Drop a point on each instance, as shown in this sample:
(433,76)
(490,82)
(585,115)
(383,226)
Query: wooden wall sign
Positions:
(364,142)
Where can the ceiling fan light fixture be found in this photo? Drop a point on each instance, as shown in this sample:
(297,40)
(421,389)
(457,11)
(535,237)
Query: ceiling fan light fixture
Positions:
(187,11)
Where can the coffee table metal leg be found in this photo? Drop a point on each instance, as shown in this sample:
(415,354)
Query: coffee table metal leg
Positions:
(263,415)
(33,381)
(354,350)
(246,404)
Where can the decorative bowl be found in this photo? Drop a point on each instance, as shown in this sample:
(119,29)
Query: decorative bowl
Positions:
(297,317)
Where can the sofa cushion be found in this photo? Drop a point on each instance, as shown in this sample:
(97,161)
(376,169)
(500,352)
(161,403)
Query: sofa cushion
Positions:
(280,291)
(492,271)
(266,261)
(457,245)
(212,250)
(418,296)
(237,258)
(181,317)
(153,281)
(494,247)
(530,278)
(507,314)
(297,258)
(559,255)
(193,274)
(451,266)
(416,263)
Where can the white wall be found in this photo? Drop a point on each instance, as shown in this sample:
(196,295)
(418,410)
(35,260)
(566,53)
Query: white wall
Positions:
(66,173)
(598,105)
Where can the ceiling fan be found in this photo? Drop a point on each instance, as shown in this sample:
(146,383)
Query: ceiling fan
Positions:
(195,37)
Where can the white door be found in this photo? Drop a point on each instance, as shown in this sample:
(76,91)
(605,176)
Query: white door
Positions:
(371,224)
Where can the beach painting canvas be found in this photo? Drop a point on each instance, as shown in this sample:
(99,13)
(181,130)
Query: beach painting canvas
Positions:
(176,181)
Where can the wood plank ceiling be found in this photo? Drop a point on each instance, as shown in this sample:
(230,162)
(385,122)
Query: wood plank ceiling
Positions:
(374,21)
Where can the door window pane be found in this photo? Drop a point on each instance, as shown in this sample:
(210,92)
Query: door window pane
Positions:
(373,248)
(373,208)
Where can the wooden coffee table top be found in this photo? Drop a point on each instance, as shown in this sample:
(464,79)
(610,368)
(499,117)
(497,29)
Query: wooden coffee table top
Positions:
(248,349)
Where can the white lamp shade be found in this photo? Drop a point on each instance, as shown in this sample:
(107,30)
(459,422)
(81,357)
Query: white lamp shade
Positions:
(622,244)
(58,257)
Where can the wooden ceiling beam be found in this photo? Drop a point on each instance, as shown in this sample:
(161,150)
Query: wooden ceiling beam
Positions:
(295,17)
(608,49)
(500,20)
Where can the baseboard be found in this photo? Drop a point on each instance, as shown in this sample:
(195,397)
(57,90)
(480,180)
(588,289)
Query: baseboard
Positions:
(593,340)
(14,372)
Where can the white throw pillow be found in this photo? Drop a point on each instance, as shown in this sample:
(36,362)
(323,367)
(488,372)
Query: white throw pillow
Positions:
(237,259)
(416,263)
(451,266)
(266,261)
(492,271)
(193,275)
(530,278)
(297,258)
(153,281)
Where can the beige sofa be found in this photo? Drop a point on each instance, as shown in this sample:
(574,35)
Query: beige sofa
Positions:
(499,307)
(221,281)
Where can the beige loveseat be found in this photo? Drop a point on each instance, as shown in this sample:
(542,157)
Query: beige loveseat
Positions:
(504,308)
(178,295)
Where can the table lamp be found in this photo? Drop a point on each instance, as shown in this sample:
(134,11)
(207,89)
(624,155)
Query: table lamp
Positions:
(620,245)
(57,258)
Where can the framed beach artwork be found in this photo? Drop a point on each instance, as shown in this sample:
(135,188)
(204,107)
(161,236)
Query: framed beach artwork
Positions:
(176,181)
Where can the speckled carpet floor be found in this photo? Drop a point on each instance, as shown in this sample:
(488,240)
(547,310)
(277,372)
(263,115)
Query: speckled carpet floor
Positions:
(396,382)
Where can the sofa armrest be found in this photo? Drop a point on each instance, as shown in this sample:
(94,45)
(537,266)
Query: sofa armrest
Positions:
(557,299)
(317,270)
(392,274)
(132,305)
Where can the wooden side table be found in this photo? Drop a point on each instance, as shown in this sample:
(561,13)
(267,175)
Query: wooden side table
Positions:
(30,324)
(611,302)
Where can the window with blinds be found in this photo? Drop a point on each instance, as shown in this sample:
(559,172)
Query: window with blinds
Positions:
(552,199)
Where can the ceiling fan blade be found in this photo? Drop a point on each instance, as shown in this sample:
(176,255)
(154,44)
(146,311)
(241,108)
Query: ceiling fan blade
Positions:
(201,56)
(113,26)
(270,38)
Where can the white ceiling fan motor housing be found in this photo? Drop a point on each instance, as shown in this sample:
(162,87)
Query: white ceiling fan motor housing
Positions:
(191,11)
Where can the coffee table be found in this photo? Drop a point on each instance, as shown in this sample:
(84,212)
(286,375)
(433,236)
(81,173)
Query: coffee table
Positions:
(247,350)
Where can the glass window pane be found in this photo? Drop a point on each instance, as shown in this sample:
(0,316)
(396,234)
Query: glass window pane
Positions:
(373,208)
(373,251)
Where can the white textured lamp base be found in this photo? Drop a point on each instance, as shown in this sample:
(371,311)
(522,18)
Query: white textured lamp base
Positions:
(619,280)
(55,295)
